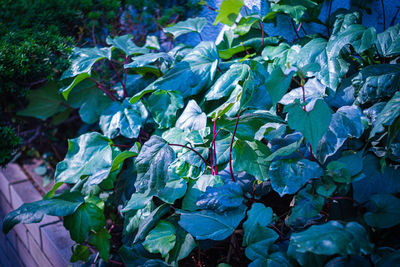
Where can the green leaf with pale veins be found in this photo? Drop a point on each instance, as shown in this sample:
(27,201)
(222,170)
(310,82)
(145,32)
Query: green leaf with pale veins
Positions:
(228,11)
(124,119)
(163,106)
(80,253)
(152,165)
(387,116)
(101,240)
(61,205)
(288,176)
(187,26)
(192,118)
(388,42)
(88,217)
(193,74)
(312,124)
(161,239)
(88,155)
(152,42)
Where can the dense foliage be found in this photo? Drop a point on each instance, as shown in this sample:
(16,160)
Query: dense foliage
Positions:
(273,153)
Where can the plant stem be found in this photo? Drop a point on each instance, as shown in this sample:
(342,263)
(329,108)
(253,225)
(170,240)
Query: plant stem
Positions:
(230,149)
(198,154)
(119,78)
(295,31)
(213,149)
(245,49)
(104,89)
(262,36)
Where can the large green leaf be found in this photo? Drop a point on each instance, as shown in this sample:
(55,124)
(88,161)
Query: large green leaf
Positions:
(221,198)
(150,59)
(124,119)
(152,165)
(313,90)
(193,74)
(387,116)
(197,188)
(288,176)
(383,211)
(207,224)
(101,240)
(277,84)
(192,118)
(61,205)
(345,123)
(161,239)
(248,124)
(375,181)
(88,155)
(388,43)
(257,237)
(376,81)
(126,44)
(312,124)
(44,102)
(150,221)
(251,158)
(332,238)
(163,106)
(294,8)
(81,65)
(88,217)
(184,244)
(187,26)
(228,11)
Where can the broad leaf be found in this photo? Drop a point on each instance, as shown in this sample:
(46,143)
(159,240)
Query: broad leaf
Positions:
(228,11)
(251,158)
(277,84)
(222,198)
(387,116)
(313,90)
(248,124)
(62,205)
(375,82)
(193,74)
(388,43)
(153,59)
(207,224)
(88,155)
(332,238)
(345,123)
(184,244)
(81,65)
(80,253)
(187,26)
(161,239)
(163,106)
(197,188)
(88,217)
(44,102)
(152,165)
(123,119)
(152,42)
(101,240)
(150,221)
(312,124)
(288,176)
(126,44)
(192,118)
(383,211)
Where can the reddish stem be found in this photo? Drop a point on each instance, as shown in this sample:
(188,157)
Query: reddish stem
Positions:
(198,154)
(214,150)
(230,149)
(119,78)
(219,69)
(104,89)
(116,262)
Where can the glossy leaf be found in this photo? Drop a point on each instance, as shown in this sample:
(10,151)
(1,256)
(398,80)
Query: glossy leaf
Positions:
(277,84)
(126,44)
(61,205)
(332,238)
(191,75)
(101,240)
(312,124)
(210,224)
(163,106)
(228,11)
(192,118)
(221,198)
(161,239)
(88,217)
(288,176)
(383,211)
(187,26)
(387,116)
(388,43)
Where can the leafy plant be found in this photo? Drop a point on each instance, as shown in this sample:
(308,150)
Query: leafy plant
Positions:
(288,150)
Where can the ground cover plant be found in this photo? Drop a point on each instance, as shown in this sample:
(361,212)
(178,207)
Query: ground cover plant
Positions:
(257,151)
